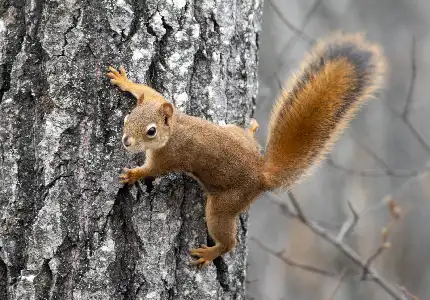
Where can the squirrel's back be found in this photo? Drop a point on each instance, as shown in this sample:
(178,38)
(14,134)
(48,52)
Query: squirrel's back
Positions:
(339,74)
(220,156)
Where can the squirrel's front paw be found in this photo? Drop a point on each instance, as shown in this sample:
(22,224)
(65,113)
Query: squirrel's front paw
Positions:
(118,78)
(130,176)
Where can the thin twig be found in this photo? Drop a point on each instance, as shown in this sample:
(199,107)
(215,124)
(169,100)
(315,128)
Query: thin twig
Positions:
(287,211)
(412,82)
(297,207)
(369,151)
(293,39)
(292,263)
(354,257)
(337,285)
(288,23)
(407,293)
(385,170)
(414,132)
(306,19)
(383,246)
(344,249)
(376,173)
(370,260)
(349,225)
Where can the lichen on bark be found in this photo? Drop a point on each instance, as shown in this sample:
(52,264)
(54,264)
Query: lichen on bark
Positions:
(68,229)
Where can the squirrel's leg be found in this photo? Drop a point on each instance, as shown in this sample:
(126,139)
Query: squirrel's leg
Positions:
(130,176)
(121,80)
(221,227)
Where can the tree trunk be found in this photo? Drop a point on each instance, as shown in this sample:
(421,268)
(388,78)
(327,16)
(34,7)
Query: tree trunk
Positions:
(69,230)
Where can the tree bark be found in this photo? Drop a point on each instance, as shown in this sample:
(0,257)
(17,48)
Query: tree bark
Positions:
(68,229)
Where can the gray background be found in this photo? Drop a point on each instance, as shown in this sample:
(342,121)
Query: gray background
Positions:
(384,153)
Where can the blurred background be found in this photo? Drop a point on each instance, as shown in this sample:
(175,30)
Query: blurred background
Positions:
(383,155)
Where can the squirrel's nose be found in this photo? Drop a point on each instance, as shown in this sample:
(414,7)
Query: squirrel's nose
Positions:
(126,141)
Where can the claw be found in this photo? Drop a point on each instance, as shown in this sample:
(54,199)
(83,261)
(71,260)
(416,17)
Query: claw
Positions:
(113,70)
(110,75)
(198,261)
(201,262)
(122,71)
(118,78)
(206,255)
(126,177)
(130,176)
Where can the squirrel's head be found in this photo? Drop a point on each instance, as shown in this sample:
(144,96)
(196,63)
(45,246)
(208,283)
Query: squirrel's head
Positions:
(148,126)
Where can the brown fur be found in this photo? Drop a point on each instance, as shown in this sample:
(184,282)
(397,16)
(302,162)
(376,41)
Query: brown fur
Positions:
(226,160)
(340,74)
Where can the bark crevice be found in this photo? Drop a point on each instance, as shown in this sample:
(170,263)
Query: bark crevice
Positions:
(68,229)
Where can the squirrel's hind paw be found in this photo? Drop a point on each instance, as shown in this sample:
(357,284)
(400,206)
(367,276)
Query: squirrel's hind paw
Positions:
(206,254)
(201,262)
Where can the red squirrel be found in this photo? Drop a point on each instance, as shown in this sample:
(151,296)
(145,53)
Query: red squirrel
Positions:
(337,76)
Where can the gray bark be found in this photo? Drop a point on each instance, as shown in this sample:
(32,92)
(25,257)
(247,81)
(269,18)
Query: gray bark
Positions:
(68,229)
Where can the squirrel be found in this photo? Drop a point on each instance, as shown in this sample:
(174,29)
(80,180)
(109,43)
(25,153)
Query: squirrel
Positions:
(339,74)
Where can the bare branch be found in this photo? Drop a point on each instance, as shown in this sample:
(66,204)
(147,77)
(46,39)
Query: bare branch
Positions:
(414,132)
(370,260)
(337,285)
(395,213)
(412,82)
(345,250)
(287,211)
(309,14)
(385,171)
(349,225)
(288,23)
(407,293)
(297,207)
(293,39)
(292,263)
(354,257)
(418,136)
(376,173)
(369,151)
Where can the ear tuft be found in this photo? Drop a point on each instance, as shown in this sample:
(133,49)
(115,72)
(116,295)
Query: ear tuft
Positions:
(167,110)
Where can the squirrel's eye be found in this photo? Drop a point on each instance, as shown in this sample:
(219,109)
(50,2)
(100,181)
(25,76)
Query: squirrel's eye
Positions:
(151,132)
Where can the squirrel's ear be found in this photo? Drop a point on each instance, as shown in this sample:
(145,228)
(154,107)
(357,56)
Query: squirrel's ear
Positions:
(167,110)
(141,99)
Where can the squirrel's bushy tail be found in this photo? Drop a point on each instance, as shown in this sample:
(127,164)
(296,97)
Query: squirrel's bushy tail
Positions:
(339,74)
